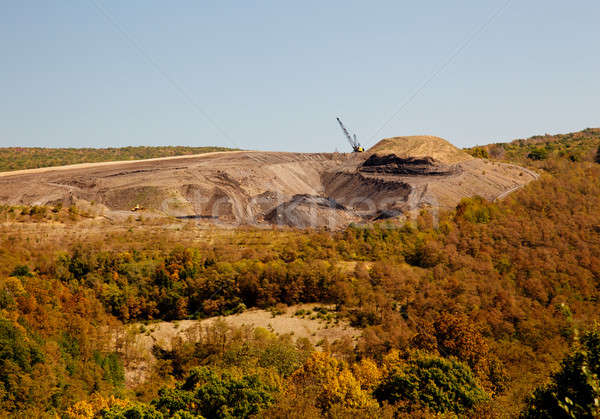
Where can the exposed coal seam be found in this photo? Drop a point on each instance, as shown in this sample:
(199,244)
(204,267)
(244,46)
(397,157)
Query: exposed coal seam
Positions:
(416,166)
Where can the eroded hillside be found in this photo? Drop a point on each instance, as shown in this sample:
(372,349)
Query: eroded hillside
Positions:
(396,176)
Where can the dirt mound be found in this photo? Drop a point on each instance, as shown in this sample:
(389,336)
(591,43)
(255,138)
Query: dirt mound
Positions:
(365,194)
(304,211)
(420,146)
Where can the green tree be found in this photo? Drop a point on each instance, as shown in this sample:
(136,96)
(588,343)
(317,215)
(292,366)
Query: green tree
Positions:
(479,152)
(476,210)
(440,384)
(134,411)
(538,154)
(19,354)
(21,270)
(207,393)
(574,391)
(112,367)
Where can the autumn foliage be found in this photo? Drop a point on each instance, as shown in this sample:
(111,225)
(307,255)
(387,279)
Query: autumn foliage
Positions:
(467,314)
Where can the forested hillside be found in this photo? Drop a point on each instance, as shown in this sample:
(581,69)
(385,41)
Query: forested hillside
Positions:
(17,158)
(575,146)
(488,311)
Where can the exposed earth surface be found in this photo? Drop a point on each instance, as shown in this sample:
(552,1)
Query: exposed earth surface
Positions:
(396,176)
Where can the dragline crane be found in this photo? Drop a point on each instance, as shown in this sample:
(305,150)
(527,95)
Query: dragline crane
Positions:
(356,147)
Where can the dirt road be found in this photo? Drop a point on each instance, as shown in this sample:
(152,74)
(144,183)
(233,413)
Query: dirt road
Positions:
(111,163)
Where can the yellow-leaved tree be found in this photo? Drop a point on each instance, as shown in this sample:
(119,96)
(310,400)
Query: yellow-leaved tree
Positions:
(333,383)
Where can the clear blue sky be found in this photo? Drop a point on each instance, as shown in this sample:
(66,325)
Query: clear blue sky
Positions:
(273,75)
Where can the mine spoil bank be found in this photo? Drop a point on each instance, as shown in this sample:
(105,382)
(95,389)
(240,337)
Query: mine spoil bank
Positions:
(396,176)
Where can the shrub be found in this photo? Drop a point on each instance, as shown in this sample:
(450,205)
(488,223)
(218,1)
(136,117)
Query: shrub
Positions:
(479,152)
(133,410)
(21,270)
(538,154)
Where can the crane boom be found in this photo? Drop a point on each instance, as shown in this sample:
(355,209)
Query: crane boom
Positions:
(351,139)
(346,133)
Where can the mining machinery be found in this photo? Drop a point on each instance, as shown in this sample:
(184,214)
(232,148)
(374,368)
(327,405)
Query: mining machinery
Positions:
(356,147)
